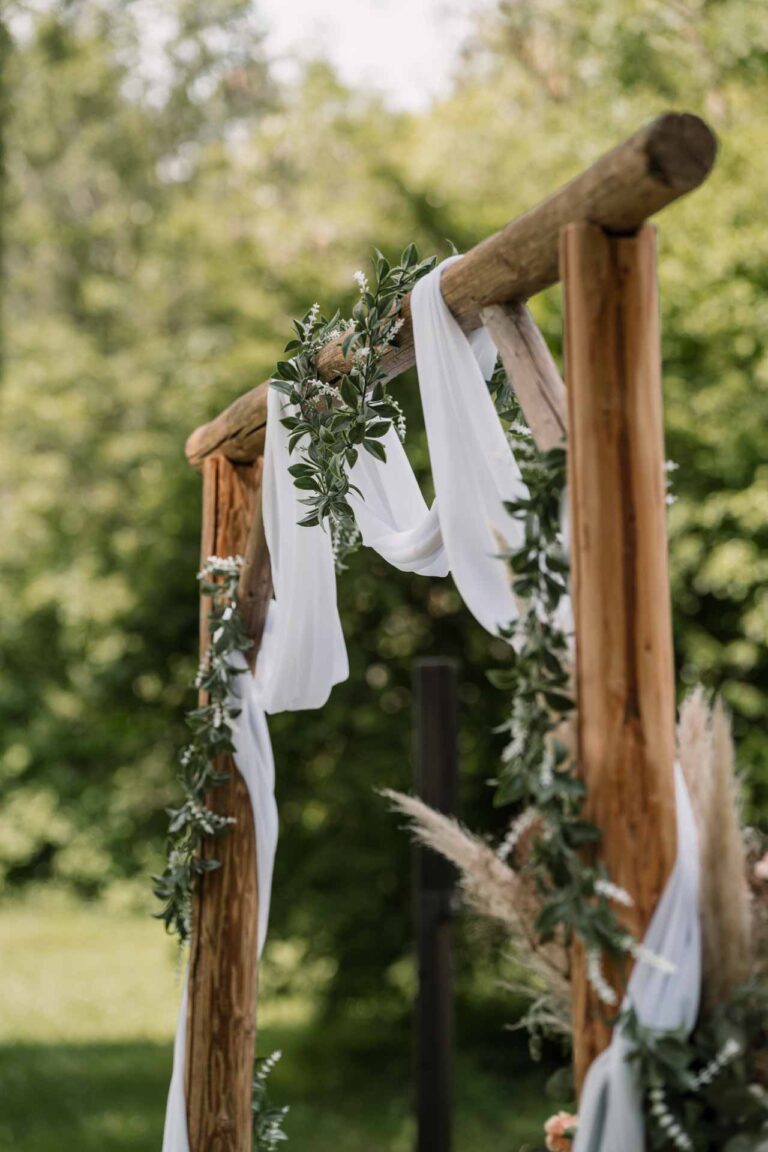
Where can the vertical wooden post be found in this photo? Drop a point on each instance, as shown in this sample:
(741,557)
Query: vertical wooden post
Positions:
(221,1021)
(624,659)
(437,770)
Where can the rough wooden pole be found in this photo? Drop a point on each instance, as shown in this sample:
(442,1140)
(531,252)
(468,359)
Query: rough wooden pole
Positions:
(624,659)
(662,162)
(531,370)
(221,1022)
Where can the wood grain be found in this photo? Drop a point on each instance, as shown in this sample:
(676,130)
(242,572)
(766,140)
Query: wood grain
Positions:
(531,370)
(624,658)
(223,980)
(659,164)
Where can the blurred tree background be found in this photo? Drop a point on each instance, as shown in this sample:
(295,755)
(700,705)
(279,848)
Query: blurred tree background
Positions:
(168,206)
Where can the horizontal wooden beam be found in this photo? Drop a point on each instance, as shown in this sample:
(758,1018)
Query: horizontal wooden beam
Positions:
(659,164)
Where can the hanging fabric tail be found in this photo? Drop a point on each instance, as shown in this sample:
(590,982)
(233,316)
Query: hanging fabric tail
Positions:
(611,1112)
(253,757)
(473,467)
(468,528)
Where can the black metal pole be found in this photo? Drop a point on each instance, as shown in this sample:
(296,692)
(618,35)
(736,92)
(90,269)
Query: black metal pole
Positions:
(436,756)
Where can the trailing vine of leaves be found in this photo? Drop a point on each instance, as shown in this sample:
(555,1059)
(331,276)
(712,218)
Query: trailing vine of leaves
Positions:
(332,422)
(211,723)
(707,1092)
(268,1120)
(538,773)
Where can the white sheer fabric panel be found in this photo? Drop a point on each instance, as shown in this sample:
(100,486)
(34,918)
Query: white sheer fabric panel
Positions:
(473,469)
(611,1113)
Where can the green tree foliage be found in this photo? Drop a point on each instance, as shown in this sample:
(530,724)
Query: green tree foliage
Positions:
(167,212)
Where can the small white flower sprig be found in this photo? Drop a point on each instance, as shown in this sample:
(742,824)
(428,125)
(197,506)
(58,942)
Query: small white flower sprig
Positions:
(538,774)
(329,423)
(703,1089)
(212,724)
(268,1121)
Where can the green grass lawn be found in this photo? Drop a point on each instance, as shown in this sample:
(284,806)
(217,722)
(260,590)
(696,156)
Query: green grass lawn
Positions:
(87,1007)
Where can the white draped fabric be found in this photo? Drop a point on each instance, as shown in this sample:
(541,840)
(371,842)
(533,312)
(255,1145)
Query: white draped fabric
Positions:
(303,653)
(611,1113)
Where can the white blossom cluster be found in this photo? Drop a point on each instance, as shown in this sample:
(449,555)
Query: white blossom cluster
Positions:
(671,1127)
(344,538)
(728,1053)
(644,955)
(203,668)
(614,892)
(517,829)
(597,980)
(323,388)
(547,770)
(221,566)
(209,821)
(400,425)
(312,315)
(394,328)
(341,329)
(361,280)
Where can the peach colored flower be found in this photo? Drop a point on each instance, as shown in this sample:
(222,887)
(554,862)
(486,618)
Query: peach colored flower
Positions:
(761,868)
(560,1131)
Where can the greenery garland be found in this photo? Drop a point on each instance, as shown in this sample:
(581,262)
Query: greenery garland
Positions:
(193,821)
(268,1120)
(538,773)
(333,421)
(703,1093)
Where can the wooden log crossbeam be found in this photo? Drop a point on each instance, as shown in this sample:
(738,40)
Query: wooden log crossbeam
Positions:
(654,167)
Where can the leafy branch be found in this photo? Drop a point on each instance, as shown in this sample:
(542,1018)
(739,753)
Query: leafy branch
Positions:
(331,422)
(194,822)
(707,1092)
(267,1119)
(538,773)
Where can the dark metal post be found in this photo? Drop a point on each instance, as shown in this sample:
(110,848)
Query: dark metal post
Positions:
(436,757)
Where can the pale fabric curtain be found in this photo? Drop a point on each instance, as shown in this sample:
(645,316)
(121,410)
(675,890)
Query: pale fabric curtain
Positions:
(611,1112)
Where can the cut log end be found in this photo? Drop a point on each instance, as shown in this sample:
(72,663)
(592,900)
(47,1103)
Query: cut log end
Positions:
(681,150)
(663,161)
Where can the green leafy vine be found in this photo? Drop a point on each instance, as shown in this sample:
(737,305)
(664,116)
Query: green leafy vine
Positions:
(707,1092)
(538,772)
(268,1120)
(211,723)
(333,421)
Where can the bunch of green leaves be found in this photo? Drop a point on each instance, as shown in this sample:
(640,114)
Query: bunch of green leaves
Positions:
(331,422)
(267,1120)
(194,822)
(538,774)
(709,1089)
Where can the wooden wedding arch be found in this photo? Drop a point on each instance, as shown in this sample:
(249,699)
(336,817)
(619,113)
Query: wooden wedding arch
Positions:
(592,234)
